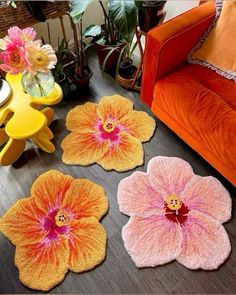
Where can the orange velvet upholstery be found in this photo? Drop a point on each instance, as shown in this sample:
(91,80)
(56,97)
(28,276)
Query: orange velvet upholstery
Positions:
(195,102)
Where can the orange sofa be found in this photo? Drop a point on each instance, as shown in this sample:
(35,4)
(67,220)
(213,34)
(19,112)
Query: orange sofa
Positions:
(195,102)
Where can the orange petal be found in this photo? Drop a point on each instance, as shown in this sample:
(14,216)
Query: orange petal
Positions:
(113,107)
(123,156)
(86,199)
(87,244)
(139,125)
(42,266)
(49,189)
(21,223)
(82,149)
(82,118)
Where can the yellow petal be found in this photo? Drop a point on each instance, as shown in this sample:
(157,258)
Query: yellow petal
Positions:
(139,125)
(85,199)
(43,266)
(82,149)
(87,244)
(49,189)
(82,118)
(21,223)
(113,107)
(123,156)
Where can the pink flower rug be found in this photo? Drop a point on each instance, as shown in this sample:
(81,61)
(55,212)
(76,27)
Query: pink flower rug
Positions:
(175,215)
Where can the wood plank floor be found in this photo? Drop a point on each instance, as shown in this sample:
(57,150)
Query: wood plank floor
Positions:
(118,274)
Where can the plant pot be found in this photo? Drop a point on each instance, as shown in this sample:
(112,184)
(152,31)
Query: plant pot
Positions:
(64,83)
(103,50)
(82,82)
(127,69)
(150,14)
(130,83)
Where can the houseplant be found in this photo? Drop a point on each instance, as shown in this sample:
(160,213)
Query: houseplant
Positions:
(124,15)
(106,38)
(60,77)
(79,72)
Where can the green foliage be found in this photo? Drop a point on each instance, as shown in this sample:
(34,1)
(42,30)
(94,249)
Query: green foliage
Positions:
(77,9)
(124,15)
(62,54)
(92,31)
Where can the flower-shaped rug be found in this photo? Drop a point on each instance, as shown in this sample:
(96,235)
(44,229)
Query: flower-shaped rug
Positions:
(175,214)
(109,133)
(56,229)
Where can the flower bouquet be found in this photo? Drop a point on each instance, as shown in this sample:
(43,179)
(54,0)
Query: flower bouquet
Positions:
(22,54)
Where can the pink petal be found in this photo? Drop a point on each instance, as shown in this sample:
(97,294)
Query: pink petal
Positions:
(207,195)
(137,197)
(152,241)
(169,175)
(206,244)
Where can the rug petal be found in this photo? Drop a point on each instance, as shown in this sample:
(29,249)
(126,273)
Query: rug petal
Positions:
(123,156)
(169,175)
(49,189)
(113,107)
(205,245)
(42,266)
(139,125)
(137,197)
(82,149)
(21,223)
(82,118)
(87,244)
(85,199)
(152,241)
(207,195)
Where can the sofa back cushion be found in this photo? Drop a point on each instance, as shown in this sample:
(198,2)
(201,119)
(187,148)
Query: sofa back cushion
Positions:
(217,49)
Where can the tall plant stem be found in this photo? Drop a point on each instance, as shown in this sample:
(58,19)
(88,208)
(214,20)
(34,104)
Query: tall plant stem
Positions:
(108,23)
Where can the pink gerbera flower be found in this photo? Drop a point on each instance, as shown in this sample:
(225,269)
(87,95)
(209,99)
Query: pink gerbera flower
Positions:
(175,214)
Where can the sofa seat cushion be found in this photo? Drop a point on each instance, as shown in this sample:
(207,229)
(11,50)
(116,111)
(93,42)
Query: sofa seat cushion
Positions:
(203,103)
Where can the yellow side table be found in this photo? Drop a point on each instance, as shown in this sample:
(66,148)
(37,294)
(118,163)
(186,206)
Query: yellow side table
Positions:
(21,119)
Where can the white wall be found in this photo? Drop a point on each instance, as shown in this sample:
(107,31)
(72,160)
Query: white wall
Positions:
(175,7)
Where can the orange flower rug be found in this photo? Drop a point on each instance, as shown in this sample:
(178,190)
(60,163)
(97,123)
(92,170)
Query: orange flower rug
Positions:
(56,229)
(109,133)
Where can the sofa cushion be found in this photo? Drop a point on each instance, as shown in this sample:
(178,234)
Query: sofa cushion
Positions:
(204,103)
(216,50)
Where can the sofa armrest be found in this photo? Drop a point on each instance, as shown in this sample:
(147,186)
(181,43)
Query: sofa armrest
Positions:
(168,45)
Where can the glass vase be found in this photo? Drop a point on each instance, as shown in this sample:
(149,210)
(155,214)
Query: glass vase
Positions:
(39,85)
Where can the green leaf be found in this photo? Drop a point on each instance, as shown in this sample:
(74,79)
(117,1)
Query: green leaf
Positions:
(77,8)
(138,3)
(123,13)
(92,31)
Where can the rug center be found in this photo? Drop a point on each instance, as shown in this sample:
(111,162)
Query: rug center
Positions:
(62,218)
(176,211)
(109,126)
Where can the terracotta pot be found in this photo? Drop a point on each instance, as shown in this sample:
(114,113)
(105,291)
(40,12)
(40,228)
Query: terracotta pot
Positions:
(150,14)
(103,50)
(79,83)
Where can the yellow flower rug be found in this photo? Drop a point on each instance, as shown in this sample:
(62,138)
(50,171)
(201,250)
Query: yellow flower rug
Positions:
(109,133)
(56,229)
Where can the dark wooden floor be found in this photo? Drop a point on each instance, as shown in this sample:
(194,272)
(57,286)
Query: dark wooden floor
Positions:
(118,274)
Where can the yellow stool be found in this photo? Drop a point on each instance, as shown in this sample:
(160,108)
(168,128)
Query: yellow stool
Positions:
(21,119)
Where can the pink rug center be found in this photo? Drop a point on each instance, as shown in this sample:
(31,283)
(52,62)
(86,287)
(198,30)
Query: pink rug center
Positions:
(56,223)
(109,130)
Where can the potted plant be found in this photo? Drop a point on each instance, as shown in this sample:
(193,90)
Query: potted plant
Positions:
(124,15)
(60,77)
(106,38)
(150,13)
(79,72)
